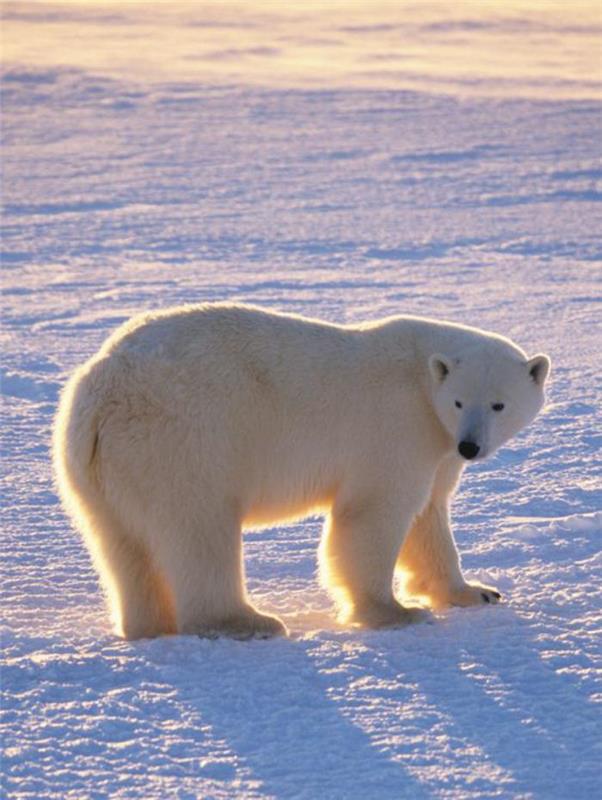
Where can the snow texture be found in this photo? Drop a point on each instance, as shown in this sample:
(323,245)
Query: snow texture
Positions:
(124,192)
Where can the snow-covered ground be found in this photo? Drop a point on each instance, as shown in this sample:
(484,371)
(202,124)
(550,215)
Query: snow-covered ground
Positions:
(129,186)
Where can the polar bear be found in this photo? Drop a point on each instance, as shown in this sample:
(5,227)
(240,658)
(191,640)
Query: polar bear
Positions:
(193,423)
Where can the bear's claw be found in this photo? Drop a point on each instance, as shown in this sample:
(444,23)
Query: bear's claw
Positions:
(473,594)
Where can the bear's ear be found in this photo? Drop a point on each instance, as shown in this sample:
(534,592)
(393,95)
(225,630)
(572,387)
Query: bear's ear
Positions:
(539,368)
(439,367)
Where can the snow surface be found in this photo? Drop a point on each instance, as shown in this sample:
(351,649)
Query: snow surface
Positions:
(124,192)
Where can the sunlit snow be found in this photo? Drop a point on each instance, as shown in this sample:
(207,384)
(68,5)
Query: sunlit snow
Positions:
(447,163)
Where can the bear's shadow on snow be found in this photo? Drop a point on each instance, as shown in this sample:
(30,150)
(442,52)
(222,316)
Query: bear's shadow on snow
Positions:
(489,681)
(270,703)
(286,708)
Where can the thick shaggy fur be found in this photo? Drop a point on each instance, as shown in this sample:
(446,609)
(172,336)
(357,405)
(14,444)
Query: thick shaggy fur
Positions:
(193,423)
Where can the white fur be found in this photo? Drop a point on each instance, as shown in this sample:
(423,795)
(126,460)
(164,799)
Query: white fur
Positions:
(195,422)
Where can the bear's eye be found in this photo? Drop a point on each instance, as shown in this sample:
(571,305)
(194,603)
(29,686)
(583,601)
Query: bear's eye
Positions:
(458,404)
(498,406)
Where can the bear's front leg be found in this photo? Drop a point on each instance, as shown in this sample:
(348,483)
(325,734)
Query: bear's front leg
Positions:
(357,563)
(429,559)
(430,564)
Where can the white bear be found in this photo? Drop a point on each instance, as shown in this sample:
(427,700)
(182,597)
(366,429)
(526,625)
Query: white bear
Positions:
(196,422)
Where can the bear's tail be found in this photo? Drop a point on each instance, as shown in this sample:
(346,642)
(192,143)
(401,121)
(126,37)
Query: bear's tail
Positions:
(76,442)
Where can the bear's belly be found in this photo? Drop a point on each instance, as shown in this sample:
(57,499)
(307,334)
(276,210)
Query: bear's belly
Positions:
(286,506)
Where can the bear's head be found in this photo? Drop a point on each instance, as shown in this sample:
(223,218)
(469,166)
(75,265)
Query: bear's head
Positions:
(486,396)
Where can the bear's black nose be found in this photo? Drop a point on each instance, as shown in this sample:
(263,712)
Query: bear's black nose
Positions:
(468,449)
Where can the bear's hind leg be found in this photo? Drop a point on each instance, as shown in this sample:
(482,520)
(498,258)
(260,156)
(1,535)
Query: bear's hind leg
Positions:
(206,574)
(139,599)
(357,561)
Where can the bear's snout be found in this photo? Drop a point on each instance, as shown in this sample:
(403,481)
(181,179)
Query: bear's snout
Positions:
(468,450)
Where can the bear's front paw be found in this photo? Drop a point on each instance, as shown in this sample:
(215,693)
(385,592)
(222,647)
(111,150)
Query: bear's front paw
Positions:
(375,615)
(248,624)
(473,594)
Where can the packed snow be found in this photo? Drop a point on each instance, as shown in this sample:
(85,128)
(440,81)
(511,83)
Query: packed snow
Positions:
(133,184)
